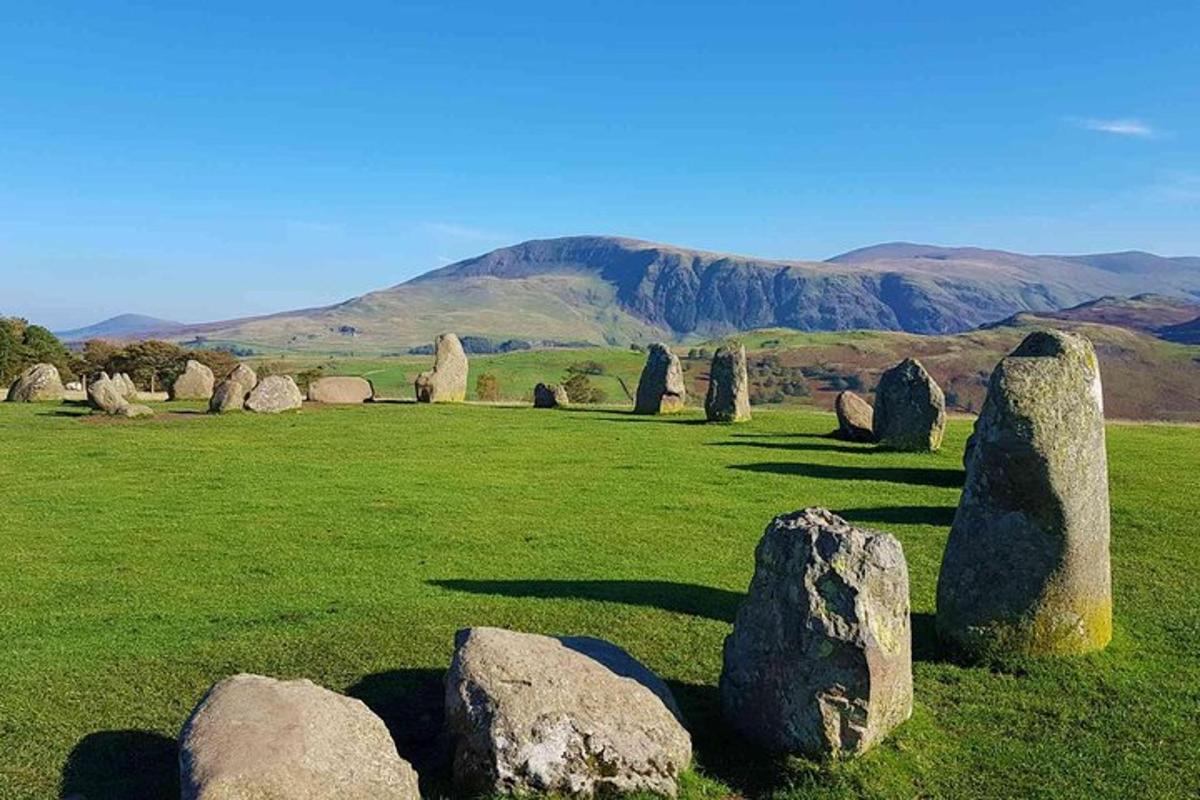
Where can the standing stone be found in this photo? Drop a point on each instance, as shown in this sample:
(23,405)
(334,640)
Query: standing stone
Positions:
(257,738)
(128,388)
(447,381)
(855,418)
(245,376)
(1026,569)
(728,398)
(38,384)
(571,716)
(274,394)
(230,395)
(341,390)
(194,383)
(660,389)
(820,658)
(551,395)
(910,409)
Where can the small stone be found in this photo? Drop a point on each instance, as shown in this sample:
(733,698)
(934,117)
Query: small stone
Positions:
(910,409)
(855,418)
(551,395)
(341,391)
(38,384)
(194,383)
(275,394)
(660,388)
(728,398)
(447,381)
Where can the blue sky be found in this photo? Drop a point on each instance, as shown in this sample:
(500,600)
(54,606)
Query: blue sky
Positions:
(206,160)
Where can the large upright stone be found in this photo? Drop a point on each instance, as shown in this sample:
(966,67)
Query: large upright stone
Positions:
(194,383)
(38,384)
(128,388)
(1026,568)
(230,395)
(257,738)
(341,390)
(660,389)
(275,394)
(728,398)
(572,716)
(244,375)
(910,409)
(551,395)
(820,658)
(447,381)
(855,418)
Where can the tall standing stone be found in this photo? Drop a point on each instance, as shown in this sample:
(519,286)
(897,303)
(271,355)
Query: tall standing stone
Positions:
(855,418)
(194,383)
(447,381)
(40,383)
(820,658)
(1026,568)
(910,409)
(660,389)
(728,398)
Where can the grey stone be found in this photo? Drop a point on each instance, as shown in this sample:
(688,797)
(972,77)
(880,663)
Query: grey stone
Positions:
(126,385)
(257,738)
(570,716)
(660,389)
(194,383)
(1026,569)
(38,384)
(855,418)
(820,658)
(447,381)
(728,398)
(107,395)
(245,376)
(275,394)
(910,409)
(230,395)
(551,395)
(341,390)
(134,411)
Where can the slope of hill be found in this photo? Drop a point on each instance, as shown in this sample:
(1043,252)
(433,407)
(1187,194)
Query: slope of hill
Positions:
(123,326)
(1148,313)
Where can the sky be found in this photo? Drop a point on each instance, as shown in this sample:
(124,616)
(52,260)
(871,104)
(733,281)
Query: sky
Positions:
(210,160)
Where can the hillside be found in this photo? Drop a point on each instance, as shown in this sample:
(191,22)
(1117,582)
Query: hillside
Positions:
(601,289)
(124,326)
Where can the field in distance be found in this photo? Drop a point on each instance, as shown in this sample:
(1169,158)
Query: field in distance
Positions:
(145,560)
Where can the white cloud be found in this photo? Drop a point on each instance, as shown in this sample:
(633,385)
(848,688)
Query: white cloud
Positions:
(1119,127)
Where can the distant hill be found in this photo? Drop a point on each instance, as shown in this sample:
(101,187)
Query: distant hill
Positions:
(612,290)
(124,326)
(1148,313)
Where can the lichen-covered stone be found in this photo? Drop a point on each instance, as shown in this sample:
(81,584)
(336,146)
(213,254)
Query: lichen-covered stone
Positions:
(447,381)
(126,386)
(820,658)
(341,390)
(275,394)
(855,418)
(910,409)
(551,395)
(244,375)
(230,395)
(40,383)
(1026,568)
(728,398)
(194,383)
(571,716)
(108,395)
(257,738)
(660,388)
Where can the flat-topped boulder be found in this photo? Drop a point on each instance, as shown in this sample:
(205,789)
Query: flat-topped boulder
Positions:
(1026,569)
(856,418)
(562,716)
(447,381)
(257,738)
(196,382)
(660,388)
(820,658)
(275,394)
(728,398)
(341,390)
(910,409)
(40,383)
(550,395)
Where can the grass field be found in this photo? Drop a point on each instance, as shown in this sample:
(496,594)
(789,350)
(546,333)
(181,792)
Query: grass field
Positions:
(144,560)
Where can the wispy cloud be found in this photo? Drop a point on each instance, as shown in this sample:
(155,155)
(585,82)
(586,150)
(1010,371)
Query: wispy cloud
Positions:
(1119,127)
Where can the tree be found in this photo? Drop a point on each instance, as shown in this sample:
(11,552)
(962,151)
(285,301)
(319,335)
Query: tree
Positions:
(152,364)
(98,355)
(22,345)
(12,353)
(580,390)
(487,388)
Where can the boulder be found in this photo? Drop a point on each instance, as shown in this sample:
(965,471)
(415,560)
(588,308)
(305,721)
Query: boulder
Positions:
(910,409)
(728,398)
(257,738)
(107,395)
(230,395)
(550,395)
(38,384)
(134,411)
(126,385)
(341,391)
(1026,568)
(245,376)
(855,418)
(570,716)
(660,388)
(447,381)
(274,394)
(194,383)
(820,658)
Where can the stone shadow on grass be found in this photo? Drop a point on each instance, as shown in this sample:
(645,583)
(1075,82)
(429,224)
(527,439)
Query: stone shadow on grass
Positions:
(829,446)
(678,598)
(122,765)
(938,516)
(920,476)
(662,419)
(411,702)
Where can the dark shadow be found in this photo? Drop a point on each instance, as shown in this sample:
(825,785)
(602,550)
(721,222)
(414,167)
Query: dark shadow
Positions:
(411,702)
(122,765)
(73,414)
(831,447)
(941,516)
(926,646)
(920,476)
(662,419)
(678,598)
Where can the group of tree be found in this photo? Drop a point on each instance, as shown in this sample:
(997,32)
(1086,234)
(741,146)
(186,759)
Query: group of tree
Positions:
(153,364)
(22,345)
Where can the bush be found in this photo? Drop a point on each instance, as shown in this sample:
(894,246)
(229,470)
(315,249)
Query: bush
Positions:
(22,345)
(487,388)
(586,368)
(580,390)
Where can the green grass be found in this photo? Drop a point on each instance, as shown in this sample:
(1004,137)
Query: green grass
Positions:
(144,560)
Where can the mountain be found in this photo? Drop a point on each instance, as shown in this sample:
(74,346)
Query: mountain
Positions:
(604,289)
(124,326)
(1148,313)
